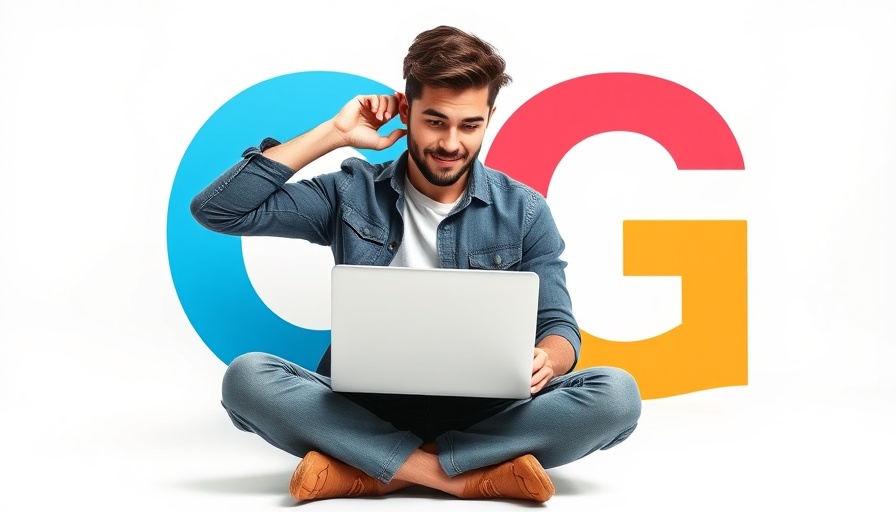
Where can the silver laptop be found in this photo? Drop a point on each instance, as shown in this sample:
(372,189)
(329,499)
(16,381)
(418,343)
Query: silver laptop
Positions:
(442,332)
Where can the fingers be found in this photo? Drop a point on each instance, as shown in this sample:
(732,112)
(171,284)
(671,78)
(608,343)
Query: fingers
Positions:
(358,122)
(542,370)
(539,359)
(388,106)
(376,106)
(540,378)
(383,107)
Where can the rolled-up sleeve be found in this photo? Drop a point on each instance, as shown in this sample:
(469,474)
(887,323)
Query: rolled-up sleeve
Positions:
(253,198)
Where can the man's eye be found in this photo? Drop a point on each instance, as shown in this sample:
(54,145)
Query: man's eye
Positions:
(471,127)
(434,122)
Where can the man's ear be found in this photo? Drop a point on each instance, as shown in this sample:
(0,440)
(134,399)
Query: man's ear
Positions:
(404,108)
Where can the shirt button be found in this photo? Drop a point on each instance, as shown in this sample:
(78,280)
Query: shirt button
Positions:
(366,231)
(392,245)
(497,259)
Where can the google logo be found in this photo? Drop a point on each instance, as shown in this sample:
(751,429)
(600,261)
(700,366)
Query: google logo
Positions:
(707,350)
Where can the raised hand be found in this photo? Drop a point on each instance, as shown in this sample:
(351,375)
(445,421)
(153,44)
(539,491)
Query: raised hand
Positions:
(358,121)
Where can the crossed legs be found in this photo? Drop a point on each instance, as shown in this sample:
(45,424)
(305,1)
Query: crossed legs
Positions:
(295,410)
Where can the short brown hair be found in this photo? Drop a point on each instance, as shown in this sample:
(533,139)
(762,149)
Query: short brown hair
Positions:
(451,58)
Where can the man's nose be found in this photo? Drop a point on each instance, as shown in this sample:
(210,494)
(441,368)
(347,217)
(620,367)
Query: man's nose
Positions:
(450,143)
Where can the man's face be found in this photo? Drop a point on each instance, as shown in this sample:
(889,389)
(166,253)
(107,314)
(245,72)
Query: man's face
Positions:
(445,133)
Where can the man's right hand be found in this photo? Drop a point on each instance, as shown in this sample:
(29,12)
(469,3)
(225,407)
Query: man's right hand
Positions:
(358,121)
(355,126)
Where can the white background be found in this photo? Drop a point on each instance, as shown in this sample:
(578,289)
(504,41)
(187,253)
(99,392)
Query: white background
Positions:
(109,400)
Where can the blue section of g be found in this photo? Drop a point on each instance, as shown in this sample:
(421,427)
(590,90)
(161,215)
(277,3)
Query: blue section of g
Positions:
(207,268)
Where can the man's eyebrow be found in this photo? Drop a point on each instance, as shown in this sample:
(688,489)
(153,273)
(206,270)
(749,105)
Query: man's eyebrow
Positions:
(435,113)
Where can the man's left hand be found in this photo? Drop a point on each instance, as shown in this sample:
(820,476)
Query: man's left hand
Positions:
(542,370)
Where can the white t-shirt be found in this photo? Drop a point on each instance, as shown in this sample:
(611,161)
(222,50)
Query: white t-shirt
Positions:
(421,216)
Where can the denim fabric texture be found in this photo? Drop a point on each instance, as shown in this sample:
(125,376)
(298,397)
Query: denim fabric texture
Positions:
(295,410)
(498,224)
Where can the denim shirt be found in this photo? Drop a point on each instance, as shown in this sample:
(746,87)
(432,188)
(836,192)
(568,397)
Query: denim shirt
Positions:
(498,224)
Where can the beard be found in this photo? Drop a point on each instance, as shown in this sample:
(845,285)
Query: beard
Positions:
(440,178)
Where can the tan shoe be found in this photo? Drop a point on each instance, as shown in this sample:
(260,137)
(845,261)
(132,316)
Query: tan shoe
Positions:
(520,478)
(319,477)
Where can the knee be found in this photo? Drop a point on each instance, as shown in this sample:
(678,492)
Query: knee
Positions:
(627,396)
(242,376)
(618,394)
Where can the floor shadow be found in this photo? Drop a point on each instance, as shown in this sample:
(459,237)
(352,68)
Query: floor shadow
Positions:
(271,483)
(278,484)
(566,486)
(419,493)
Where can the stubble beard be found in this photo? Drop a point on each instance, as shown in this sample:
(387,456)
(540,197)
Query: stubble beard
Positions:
(438,179)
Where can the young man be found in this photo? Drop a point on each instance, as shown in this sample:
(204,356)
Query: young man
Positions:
(436,206)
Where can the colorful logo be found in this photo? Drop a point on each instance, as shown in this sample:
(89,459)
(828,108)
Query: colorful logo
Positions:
(707,350)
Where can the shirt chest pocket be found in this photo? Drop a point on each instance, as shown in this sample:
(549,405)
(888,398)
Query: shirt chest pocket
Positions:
(362,238)
(505,257)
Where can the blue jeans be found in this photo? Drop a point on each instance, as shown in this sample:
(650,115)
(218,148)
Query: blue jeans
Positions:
(295,410)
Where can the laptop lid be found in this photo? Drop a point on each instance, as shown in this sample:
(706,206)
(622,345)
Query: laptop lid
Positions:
(443,332)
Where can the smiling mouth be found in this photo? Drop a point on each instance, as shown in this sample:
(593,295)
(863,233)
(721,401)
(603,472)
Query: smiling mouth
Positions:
(447,160)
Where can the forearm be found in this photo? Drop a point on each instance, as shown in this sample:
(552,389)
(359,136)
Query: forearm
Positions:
(560,353)
(355,125)
(242,189)
(306,148)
